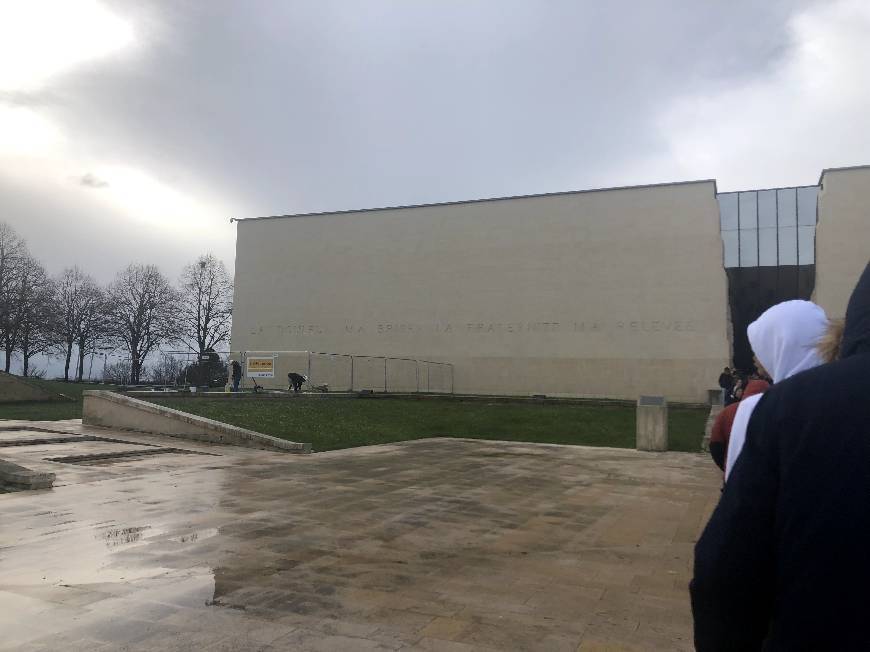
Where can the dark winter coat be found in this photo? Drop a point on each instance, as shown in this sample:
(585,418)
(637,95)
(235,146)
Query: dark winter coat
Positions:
(784,563)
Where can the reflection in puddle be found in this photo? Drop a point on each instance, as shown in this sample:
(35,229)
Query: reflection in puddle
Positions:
(198,535)
(119,536)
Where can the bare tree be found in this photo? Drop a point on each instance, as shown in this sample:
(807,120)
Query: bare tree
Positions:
(206,304)
(167,371)
(143,311)
(118,373)
(94,329)
(13,254)
(35,314)
(82,307)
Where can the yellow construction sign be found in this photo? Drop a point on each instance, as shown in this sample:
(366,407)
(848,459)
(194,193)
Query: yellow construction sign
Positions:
(261,367)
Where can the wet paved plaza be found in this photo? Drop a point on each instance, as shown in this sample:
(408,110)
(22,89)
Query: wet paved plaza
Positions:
(431,545)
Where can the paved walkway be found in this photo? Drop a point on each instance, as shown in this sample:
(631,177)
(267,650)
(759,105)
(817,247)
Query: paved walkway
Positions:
(431,545)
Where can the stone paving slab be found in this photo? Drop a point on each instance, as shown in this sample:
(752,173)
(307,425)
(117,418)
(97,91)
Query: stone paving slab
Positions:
(426,545)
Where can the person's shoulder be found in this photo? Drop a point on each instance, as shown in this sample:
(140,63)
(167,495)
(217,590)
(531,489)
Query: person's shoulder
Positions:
(820,386)
(729,411)
(848,371)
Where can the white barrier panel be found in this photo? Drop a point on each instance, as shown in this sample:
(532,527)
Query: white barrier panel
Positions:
(333,370)
(402,375)
(369,374)
(438,378)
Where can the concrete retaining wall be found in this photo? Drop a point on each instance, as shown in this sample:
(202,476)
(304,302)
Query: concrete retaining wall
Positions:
(110,410)
(18,477)
(13,388)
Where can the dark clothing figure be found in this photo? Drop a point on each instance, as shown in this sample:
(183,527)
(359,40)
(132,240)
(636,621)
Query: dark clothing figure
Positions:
(296,381)
(721,432)
(237,374)
(784,563)
(726,381)
(737,388)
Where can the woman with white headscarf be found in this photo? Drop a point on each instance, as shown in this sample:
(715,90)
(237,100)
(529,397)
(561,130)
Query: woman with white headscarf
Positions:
(784,339)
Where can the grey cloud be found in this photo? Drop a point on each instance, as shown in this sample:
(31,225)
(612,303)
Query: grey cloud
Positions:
(28,99)
(92,181)
(311,106)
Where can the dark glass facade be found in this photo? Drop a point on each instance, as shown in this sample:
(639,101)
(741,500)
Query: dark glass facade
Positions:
(768,239)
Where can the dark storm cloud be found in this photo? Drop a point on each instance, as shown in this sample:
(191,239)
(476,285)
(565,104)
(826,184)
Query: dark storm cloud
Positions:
(304,106)
(282,107)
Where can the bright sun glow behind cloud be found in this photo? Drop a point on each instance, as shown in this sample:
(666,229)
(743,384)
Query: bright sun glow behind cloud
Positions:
(23,131)
(40,38)
(150,201)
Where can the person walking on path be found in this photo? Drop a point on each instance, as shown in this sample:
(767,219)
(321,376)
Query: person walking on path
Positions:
(783,563)
(785,341)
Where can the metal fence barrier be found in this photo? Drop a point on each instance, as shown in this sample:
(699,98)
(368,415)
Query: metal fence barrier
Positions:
(355,373)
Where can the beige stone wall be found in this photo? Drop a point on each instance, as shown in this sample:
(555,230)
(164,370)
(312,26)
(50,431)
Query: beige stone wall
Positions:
(842,236)
(610,293)
(111,410)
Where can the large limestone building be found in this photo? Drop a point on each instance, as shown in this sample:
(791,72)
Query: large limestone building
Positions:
(606,293)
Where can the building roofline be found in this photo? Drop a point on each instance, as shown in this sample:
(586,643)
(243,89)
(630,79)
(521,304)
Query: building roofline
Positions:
(842,169)
(734,192)
(477,201)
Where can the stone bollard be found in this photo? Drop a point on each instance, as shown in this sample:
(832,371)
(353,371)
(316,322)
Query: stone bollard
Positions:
(652,423)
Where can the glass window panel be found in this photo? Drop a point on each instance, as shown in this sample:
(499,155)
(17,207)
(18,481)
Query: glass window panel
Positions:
(787,245)
(766,208)
(807,245)
(728,211)
(730,246)
(807,201)
(767,248)
(748,246)
(787,198)
(748,218)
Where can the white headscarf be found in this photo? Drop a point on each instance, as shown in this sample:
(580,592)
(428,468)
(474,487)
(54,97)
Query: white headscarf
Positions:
(784,340)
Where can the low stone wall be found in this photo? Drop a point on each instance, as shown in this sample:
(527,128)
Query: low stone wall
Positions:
(111,410)
(18,477)
(13,389)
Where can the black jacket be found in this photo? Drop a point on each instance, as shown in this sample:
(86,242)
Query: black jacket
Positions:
(784,563)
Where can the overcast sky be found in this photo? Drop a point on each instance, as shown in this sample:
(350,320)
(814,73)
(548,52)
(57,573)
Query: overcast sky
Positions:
(133,130)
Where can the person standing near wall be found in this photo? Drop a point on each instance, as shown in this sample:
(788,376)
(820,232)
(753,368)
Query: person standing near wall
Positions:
(785,341)
(236,374)
(721,432)
(726,382)
(783,563)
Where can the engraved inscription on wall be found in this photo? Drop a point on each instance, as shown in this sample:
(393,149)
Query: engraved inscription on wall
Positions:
(479,328)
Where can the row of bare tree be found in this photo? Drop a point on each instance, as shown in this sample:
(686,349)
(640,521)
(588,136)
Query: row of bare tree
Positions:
(139,312)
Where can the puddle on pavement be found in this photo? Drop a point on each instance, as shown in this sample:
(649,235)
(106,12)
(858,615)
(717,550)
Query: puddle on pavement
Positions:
(114,536)
(199,535)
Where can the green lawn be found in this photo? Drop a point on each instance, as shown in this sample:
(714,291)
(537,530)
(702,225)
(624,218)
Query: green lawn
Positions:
(330,424)
(62,408)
